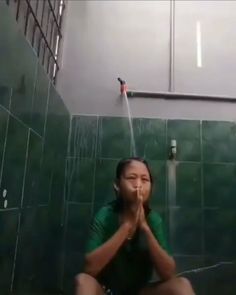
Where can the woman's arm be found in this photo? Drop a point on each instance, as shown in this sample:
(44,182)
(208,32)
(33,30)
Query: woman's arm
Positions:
(163,263)
(100,257)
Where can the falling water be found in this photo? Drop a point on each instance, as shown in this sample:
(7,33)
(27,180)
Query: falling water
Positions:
(133,147)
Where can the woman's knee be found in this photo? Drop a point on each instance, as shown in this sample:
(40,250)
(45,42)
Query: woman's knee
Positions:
(184,282)
(176,286)
(182,286)
(83,279)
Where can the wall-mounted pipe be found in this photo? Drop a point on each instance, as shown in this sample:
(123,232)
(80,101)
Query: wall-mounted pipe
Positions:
(180,96)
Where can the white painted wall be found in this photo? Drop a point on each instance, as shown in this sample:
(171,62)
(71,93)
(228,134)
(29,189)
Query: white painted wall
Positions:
(131,39)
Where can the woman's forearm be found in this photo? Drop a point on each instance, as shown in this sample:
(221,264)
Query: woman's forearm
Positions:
(99,258)
(164,264)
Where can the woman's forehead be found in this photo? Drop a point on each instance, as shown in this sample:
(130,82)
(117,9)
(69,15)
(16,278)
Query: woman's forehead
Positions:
(136,167)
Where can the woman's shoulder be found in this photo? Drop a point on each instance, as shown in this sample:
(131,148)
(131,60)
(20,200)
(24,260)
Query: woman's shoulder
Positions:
(154,217)
(106,211)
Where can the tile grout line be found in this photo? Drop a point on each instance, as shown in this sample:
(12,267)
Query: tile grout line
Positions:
(184,162)
(66,172)
(50,187)
(78,203)
(69,138)
(9,209)
(202,192)
(46,112)
(166,181)
(15,252)
(34,90)
(25,168)
(64,242)
(4,149)
(95,168)
(19,121)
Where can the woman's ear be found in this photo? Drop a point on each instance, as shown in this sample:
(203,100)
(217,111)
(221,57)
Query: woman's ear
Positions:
(116,188)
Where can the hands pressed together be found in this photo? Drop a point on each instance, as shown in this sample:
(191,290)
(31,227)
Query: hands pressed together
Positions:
(134,215)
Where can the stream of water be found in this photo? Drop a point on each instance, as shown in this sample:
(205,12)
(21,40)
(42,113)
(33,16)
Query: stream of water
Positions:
(133,146)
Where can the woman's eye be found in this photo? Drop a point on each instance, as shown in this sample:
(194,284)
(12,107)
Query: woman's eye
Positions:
(131,177)
(145,180)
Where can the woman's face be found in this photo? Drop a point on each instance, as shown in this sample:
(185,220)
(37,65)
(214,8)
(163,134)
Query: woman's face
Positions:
(135,180)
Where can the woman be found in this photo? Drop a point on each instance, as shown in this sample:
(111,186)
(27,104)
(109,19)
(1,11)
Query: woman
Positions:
(127,242)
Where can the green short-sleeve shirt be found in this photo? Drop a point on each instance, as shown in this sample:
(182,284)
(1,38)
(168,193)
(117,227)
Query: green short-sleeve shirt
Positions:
(132,267)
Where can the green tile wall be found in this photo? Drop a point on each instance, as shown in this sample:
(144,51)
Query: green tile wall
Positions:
(8,227)
(197,203)
(34,129)
(150,138)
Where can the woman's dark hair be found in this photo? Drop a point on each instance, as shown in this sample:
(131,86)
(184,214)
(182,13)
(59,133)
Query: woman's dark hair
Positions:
(120,168)
(123,163)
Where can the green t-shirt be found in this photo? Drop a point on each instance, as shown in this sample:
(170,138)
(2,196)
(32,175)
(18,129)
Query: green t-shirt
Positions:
(131,268)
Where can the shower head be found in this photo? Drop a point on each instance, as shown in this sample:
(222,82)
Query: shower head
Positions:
(122,82)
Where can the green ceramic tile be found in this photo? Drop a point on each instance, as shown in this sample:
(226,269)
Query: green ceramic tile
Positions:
(186,266)
(31,254)
(80,179)
(40,101)
(83,136)
(8,35)
(104,179)
(218,288)
(219,185)
(15,156)
(186,231)
(45,178)
(56,202)
(150,138)
(187,135)
(3,126)
(219,141)
(55,149)
(16,138)
(8,229)
(57,127)
(78,221)
(158,169)
(225,273)
(198,282)
(31,187)
(22,95)
(74,264)
(221,279)
(188,185)
(186,263)
(5,96)
(114,138)
(220,233)
(220,218)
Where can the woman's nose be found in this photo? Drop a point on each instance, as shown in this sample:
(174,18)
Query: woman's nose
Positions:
(138,184)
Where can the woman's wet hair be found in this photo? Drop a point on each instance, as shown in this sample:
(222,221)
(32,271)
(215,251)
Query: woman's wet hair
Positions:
(123,163)
(120,169)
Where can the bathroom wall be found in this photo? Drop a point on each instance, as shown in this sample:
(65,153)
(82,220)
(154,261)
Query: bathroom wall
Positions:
(43,229)
(153,50)
(34,128)
(154,46)
(194,194)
